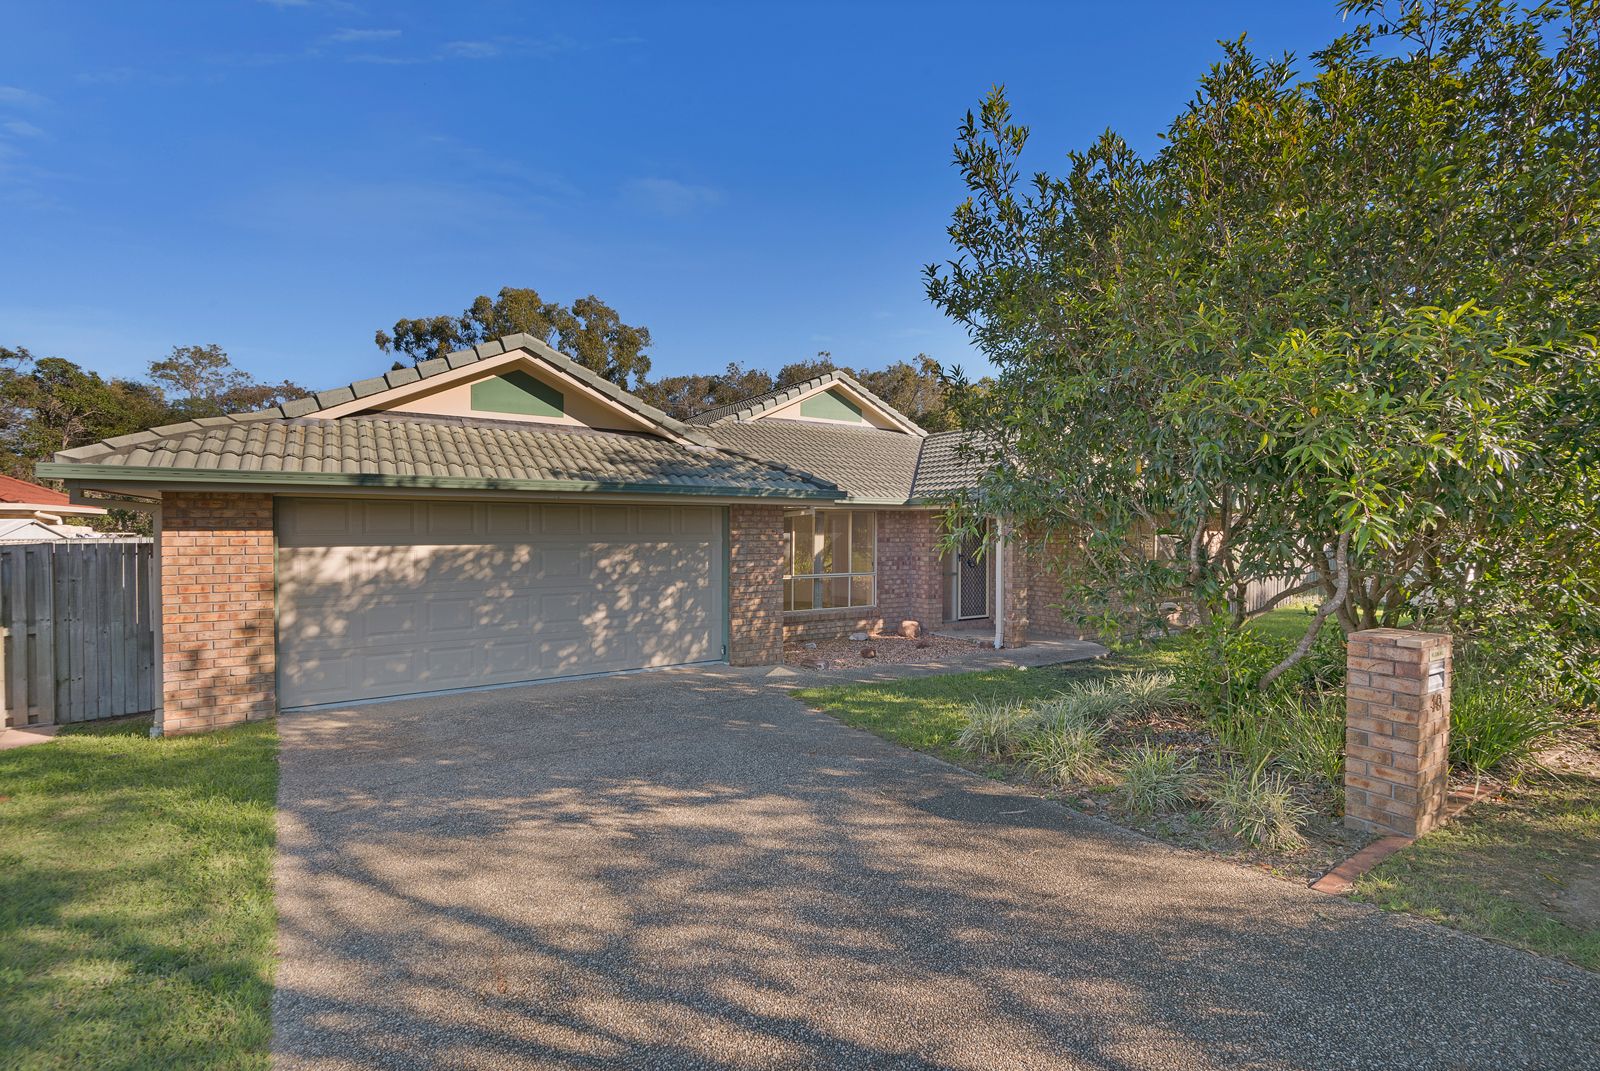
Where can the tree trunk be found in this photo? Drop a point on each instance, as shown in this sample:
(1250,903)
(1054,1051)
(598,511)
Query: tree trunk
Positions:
(1341,588)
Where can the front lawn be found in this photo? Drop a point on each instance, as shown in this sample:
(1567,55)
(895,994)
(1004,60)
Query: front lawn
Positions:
(1523,869)
(137,926)
(928,714)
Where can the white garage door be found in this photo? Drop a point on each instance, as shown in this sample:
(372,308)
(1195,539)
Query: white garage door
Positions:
(381,598)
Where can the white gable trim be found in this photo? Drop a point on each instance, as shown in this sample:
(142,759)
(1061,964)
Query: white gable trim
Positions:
(484,369)
(848,389)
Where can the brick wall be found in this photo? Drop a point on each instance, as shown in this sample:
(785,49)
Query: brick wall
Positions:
(217,626)
(756,549)
(1016,579)
(909,571)
(1046,594)
(1397,731)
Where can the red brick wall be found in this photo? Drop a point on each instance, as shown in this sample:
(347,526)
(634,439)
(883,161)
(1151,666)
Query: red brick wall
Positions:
(756,550)
(1046,594)
(1397,731)
(909,573)
(218,636)
(1016,577)
(909,578)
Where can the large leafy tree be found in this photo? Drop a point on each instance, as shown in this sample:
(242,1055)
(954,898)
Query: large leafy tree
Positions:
(914,387)
(1343,319)
(199,381)
(588,330)
(51,404)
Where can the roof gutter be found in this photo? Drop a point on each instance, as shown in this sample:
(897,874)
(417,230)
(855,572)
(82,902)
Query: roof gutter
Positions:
(117,474)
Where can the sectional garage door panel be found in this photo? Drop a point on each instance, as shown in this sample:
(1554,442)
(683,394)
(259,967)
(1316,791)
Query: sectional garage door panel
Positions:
(380,598)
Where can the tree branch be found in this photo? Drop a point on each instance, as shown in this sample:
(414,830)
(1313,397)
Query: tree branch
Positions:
(1341,566)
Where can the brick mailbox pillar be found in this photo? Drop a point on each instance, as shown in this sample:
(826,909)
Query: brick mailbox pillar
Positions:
(1397,731)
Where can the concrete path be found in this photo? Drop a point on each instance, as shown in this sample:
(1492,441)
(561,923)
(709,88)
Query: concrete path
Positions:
(691,870)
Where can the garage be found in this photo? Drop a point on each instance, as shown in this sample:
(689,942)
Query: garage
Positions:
(382,597)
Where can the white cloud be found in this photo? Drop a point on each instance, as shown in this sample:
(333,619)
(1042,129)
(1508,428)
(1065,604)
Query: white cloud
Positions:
(344,37)
(669,197)
(22,128)
(471,49)
(18,97)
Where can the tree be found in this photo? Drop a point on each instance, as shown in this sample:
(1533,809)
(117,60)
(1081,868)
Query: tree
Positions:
(589,331)
(914,387)
(52,404)
(200,381)
(1346,321)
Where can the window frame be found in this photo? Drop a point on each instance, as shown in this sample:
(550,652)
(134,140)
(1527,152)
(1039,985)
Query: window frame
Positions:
(818,579)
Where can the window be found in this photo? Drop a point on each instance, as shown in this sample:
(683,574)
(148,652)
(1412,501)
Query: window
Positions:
(832,559)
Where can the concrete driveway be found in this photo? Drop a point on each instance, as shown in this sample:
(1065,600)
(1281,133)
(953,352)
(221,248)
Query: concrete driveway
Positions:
(689,869)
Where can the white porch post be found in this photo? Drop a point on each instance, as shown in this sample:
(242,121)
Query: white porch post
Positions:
(999,583)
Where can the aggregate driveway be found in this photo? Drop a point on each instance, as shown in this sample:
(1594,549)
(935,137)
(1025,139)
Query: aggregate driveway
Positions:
(691,870)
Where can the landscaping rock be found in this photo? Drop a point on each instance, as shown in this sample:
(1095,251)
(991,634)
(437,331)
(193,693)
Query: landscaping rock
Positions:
(869,652)
(858,636)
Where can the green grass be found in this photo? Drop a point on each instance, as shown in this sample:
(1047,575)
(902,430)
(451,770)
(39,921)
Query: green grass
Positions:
(137,926)
(925,712)
(1525,871)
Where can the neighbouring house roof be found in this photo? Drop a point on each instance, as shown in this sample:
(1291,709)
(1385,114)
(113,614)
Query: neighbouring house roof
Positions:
(441,452)
(31,501)
(752,408)
(33,530)
(21,491)
(871,464)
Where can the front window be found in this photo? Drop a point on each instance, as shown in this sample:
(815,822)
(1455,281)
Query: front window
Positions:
(832,559)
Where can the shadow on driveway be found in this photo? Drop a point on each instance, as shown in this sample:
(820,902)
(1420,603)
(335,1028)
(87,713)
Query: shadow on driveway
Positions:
(690,869)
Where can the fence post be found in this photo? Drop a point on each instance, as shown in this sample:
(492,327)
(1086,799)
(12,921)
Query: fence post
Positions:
(1397,731)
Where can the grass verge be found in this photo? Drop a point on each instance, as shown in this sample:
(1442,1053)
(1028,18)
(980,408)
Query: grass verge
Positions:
(137,925)
(1523,869)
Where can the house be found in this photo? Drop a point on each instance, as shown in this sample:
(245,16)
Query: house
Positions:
(503,514)
(30,513)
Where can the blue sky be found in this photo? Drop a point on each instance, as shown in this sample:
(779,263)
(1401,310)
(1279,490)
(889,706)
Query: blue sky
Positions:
(753,182)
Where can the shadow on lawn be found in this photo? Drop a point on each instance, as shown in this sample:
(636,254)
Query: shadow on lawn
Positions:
(678,872)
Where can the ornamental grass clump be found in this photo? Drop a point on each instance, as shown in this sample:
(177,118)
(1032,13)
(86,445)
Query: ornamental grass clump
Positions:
(1155,780)
(1146,693)
(1092,702)
(1497,725)
(1259,808)
(1066,752)
(995,728)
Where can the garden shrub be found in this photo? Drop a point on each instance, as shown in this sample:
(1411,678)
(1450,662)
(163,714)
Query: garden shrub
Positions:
(1499,717)
(1155,780)
(1220,665)
(1257,806)
(1144,692)
(994,729)
(1066,752)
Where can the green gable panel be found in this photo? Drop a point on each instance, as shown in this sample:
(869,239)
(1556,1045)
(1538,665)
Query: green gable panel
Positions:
(517,392)
(831,406)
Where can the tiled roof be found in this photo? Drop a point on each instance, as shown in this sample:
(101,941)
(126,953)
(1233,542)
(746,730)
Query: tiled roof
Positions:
(772,399)
(21,491)
(872,464)
(417,451)
(327,399)
(946,466)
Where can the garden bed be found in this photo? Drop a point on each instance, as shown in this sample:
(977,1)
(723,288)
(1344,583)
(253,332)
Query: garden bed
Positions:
(828,655)
(927,714)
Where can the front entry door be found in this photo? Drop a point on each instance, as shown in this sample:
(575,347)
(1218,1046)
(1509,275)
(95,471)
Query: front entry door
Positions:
(972,576)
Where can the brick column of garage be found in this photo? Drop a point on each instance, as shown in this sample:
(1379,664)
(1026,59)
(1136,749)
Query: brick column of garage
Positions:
(1397,731)
(756,549)
(218,640)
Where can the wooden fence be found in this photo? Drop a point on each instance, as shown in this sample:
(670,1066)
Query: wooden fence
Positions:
(1258,593)
(78,627)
